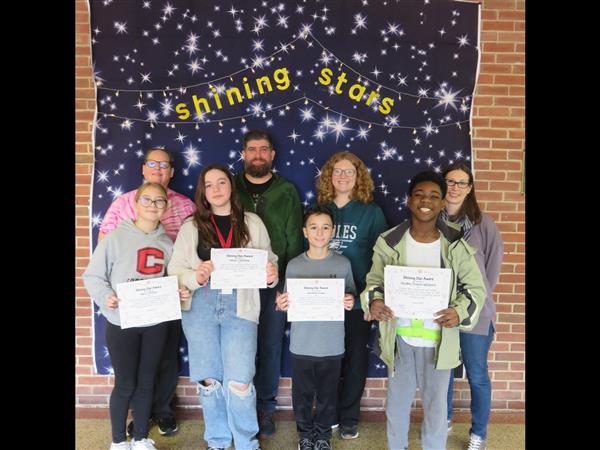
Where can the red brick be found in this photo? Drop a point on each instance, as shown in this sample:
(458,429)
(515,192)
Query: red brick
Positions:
(517,16)
(507,376)
(507,395)
(498,25)
(498,47)
(510,357)
(506,123)
(490,133)
(516,405)
(509,79)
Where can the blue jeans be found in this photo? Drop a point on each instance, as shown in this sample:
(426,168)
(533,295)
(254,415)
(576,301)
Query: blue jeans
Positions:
(474,349)
(222,347)
(271,330)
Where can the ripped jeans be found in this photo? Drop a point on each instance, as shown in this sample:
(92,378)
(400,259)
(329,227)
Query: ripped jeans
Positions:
(222,348)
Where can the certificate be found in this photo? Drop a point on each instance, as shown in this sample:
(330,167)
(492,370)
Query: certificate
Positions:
(315,299)
(238,268)
(148,302)
(416,292)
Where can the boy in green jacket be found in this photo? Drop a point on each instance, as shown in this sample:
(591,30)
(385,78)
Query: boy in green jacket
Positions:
(422,352)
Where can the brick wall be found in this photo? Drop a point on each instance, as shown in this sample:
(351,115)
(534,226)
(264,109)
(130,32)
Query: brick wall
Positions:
(498,146)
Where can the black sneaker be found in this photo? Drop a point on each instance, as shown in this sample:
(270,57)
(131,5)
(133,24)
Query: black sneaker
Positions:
(322,444)
(266,425)
(349,431)
(306,444)
(167,426)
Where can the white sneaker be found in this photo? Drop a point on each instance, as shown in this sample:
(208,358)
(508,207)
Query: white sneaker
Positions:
(476,443)
(120,446)
(449,425)
(143,444)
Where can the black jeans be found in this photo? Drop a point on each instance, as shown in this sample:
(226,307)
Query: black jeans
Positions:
(167,376)
(135,355)
(310,378)
(271,331)
(354,367)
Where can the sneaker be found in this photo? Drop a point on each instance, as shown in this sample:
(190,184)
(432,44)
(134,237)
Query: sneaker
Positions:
(120,446)
(143,444)
(349,431)
(335,428)
(167,426)
(476,443)
(305,444)
(322,444)
(266,425)
(449,425)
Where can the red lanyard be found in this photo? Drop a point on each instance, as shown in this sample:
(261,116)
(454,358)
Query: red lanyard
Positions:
(224,244)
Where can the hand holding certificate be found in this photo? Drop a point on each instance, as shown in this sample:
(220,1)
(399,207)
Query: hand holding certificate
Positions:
(147,302)
(416,292)
(238,268)
(315,299)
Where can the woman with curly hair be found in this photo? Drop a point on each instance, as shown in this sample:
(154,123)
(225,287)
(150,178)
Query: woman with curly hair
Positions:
(346,188)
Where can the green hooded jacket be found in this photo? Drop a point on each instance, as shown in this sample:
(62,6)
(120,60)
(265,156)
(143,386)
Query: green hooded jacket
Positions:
(467,293)
(280,210)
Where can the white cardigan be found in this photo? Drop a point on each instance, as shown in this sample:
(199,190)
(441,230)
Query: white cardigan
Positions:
(185,261)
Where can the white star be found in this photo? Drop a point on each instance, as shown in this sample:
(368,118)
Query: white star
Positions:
(168,9)
(360,21)
(126,124)
(463,40)
(192,156)
(194,66)
(307,114)
(363,133)
(146,77)
(121,27)
(257,45)
(294,135)
(339,127)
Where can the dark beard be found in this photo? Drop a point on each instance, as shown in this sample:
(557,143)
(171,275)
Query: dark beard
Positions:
(257,171)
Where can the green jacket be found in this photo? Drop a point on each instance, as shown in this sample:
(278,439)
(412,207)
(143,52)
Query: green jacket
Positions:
(279,208)
(467,294)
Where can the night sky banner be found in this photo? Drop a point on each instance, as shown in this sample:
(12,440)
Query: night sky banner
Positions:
(391,81)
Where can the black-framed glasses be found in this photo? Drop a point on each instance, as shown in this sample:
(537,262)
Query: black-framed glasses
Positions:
(460,184)
(347,172)
(151,164)
(160,203)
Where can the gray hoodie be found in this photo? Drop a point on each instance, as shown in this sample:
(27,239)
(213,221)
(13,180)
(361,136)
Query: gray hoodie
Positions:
(125,254)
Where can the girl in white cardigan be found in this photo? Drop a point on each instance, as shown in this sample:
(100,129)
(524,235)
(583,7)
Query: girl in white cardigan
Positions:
(221,327)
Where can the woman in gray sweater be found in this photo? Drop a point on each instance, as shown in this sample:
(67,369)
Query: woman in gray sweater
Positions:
(482,233)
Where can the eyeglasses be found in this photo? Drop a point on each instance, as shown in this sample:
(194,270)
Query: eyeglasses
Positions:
(151,164)
(160,203)
(460,184)
(347,172)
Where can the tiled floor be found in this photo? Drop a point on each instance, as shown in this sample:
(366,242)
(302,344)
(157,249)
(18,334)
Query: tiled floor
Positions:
(94,434)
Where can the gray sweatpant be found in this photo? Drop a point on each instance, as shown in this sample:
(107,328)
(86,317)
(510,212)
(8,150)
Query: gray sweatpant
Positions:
(415,367)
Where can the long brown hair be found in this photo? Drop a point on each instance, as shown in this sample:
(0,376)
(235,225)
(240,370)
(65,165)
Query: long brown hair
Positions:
(469,207)
(207,235)
(363,189)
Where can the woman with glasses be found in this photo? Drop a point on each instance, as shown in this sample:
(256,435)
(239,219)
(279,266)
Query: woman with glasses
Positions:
(137,249)
(346,188)
(221,325)
(482,233)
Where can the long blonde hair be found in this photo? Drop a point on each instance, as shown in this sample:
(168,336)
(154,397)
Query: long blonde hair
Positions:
(363,189)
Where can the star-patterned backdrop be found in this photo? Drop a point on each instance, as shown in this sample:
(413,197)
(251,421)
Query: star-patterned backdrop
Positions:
(391,81)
